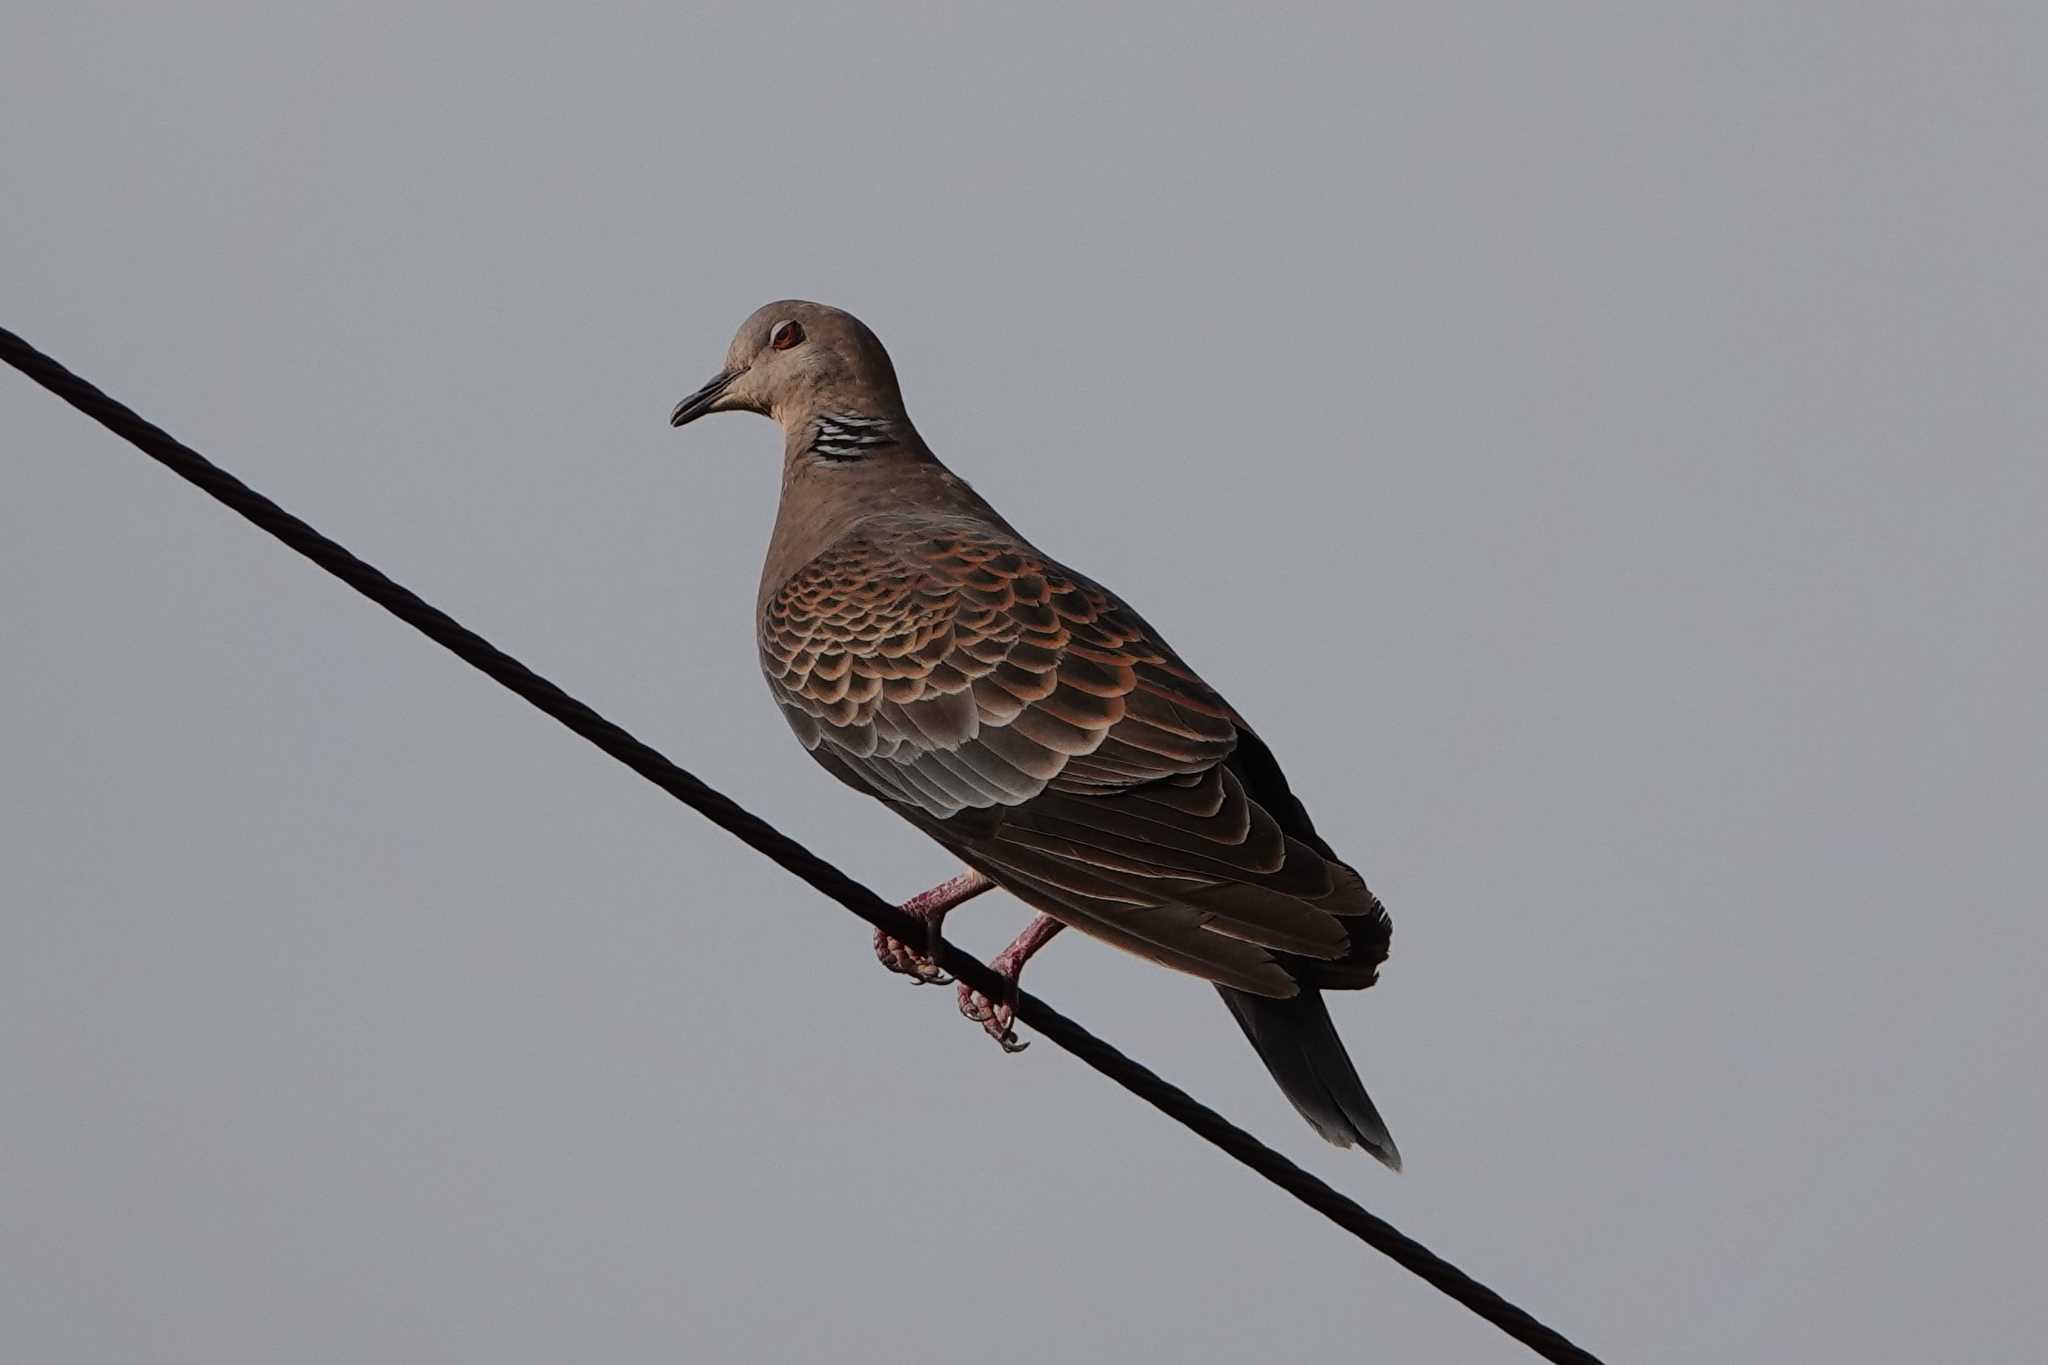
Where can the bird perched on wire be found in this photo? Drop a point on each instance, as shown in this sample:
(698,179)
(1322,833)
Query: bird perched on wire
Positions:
(1028,720)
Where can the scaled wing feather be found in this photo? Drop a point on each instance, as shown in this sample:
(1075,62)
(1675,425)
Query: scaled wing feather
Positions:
(1030,721)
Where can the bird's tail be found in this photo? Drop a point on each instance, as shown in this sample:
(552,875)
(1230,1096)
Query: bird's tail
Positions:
(1300,1046)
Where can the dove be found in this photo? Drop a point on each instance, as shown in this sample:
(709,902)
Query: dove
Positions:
(1031,722)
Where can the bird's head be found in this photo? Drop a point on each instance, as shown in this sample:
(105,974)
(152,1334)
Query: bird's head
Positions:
(795,361)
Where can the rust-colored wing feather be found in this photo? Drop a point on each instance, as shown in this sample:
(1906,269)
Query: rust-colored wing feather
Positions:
(1038,727)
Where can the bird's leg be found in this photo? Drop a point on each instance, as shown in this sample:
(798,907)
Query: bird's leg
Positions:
(998,1020)
(930,907)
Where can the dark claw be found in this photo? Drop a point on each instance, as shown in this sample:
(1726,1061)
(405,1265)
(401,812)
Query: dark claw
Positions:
(996,1021)
(932,940)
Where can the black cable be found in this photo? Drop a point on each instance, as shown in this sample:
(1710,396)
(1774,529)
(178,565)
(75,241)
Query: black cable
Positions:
(757,834)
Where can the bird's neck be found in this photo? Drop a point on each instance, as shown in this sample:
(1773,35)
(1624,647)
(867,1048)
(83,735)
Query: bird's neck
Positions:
(846,434)
(826,499)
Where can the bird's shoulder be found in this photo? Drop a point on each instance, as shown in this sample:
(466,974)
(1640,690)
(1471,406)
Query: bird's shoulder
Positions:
(893,583)
(936,633)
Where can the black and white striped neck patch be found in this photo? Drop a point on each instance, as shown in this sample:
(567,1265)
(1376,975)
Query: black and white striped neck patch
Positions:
(843,436)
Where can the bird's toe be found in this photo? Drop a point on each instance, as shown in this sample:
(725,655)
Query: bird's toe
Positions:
(899,957)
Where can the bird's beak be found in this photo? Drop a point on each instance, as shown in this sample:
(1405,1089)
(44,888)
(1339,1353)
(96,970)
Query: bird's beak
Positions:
(703,400)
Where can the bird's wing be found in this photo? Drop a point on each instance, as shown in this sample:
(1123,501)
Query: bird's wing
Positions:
(1029,720)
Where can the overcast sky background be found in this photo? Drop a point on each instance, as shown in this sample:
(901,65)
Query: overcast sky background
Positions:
(1599,445)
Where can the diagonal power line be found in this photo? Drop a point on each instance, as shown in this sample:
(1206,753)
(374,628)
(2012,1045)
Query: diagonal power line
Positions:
(765,839)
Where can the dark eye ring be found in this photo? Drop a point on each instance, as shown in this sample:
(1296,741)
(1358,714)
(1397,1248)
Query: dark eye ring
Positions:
(786,335)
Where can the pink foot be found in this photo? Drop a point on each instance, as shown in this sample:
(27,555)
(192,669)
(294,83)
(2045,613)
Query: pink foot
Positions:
(998,1018)
(929,908)
(900,957)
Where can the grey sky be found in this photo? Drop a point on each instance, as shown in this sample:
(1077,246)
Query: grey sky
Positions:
(1600,446)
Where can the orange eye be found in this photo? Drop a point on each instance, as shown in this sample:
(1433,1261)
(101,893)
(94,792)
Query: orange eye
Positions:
(786,335)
